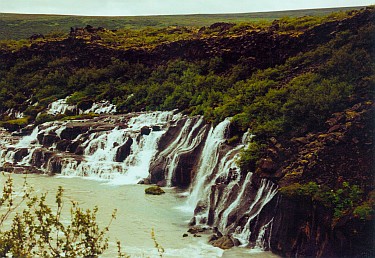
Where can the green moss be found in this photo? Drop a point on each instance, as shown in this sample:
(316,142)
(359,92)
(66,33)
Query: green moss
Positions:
(154,190)
(366,210)
(15,124)
(44,117)
(82,116)
(233,139)
(20,121)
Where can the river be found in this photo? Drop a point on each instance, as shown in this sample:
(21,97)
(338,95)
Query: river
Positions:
(137,215)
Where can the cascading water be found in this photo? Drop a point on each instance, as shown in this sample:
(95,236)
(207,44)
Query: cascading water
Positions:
(265,193)
(103,107)
(207,164)
(100,144)
(122,148)
(190,135)
(60,106)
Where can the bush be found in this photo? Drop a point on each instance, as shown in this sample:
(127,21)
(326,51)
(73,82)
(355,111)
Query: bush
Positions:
(43,118)
(38,230)
(342,200)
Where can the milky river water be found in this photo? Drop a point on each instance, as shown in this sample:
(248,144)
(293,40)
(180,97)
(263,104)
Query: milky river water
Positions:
(137,215)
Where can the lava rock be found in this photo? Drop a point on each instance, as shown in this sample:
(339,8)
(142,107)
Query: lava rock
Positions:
(224,242)
(154,190)
(124,151)
(145,130)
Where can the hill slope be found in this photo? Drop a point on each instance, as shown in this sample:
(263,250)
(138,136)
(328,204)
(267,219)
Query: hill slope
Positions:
(22,26)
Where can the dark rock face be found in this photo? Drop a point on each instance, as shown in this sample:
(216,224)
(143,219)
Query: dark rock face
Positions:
(20,154)
(124,151)
(187,161)
(306,228)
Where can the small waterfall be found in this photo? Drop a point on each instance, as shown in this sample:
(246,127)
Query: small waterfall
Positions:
(208,162)
(101,149)
(263,242)
(266,192)
(60,106)
(186,141)
(28,140)
(103,107)
(237,202)
(12,113)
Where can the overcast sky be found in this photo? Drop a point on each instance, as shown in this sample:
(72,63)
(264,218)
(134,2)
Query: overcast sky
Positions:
(154,7)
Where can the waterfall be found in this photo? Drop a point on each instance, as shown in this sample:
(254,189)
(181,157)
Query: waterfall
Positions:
(207,163)
(263,242)
(28,140)
(59,106)
(237,202)
(103,107)
(100,144)
(186,141)
(124,149)
(265,193)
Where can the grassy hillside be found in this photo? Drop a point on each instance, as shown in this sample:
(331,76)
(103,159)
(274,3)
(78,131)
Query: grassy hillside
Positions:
(21,26)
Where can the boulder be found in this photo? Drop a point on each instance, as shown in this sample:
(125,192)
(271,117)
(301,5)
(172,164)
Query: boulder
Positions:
(154,190)
(196,229)
(145,130)
(224,242)
(156,128)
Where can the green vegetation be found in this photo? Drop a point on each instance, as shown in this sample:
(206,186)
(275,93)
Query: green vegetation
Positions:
(22,26)
(37,229)
(296,96)
(343,200)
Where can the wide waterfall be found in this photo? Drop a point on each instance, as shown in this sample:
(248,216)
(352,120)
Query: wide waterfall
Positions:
(166,148)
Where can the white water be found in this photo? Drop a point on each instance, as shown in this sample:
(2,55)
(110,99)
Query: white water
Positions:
(103,107)
(208,160)
(59,106)
(28,140)
(224,220)
(266,192)
(100,148)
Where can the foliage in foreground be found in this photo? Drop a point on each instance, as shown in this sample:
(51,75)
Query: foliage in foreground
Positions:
(29,227)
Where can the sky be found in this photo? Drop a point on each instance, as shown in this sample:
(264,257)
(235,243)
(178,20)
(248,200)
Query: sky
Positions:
(159,7)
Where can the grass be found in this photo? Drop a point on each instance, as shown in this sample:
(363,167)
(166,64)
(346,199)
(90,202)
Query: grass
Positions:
(22,26)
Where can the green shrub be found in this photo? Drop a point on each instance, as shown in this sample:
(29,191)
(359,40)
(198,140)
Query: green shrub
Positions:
(250,155)
(38,229)
(44,117)
(342,200)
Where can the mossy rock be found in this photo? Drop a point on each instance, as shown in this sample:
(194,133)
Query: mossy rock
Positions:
(154,190)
